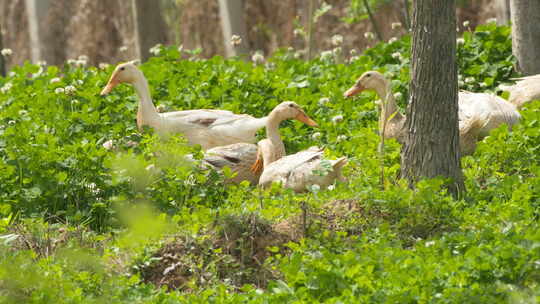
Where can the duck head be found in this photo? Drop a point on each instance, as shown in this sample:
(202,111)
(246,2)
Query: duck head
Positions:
(123,73)
(370,80)
(291,110)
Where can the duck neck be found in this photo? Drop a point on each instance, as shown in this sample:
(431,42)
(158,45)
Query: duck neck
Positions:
(389,109)
(272,133)
(147,113)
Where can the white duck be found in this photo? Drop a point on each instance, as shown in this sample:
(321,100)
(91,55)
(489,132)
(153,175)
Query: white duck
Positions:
(247,160)
(479,113)
(302,170)
(525,90)
(208,128)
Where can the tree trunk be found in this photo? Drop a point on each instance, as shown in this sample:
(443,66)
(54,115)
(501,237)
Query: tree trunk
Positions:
(431,146)
(149,26)
(525,16)
(233,22)
(2,60)
(502,11)
(36,12)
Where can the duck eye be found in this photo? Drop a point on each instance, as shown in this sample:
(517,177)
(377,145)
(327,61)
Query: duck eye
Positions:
(368,75)
(122,68)
(291,105)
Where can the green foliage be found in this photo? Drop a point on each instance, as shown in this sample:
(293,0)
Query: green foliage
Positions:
(82,223)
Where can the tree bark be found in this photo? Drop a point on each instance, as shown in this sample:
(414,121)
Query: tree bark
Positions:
(525,15)
(2,59)
(233,22)
(502,11)
(431,146)
(149,26)
(36,11)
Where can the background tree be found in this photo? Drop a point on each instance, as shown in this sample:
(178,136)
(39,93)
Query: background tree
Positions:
(2,61)
(149,26)
(233,22)
(526,35)
(432,142)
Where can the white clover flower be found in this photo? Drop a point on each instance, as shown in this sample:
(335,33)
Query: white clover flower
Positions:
(327,55)
(460,41)
(290,49)
(103,65)
(155,50)
(180,48)
(55,80)
(83,58)
(331,187)
(336,51)
(59,90)
(396,25)
(316,135)
(108,145)
(150,167)
(79,82)
(369,35)
(12,74)
(270,66)
(75,102)
(298,32)
(6,52)
(469,80)
(398,95)
(337,40)
(430,243)
(161,108)
(397,55)
(42,63)
(6,87)
(337,118)
(483,84)
(71,61)
(353,52)
(341,138)
(70,89)
(324,100)
(466,23)
(392,40)
(491,20)
(11,122)
(236,40)
(258,57)
(353,59)
(23,112)
(297,55)
(315,188)
(461,83)
(123,48)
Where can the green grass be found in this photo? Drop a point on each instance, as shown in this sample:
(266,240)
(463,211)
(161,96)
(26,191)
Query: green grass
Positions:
(139,224)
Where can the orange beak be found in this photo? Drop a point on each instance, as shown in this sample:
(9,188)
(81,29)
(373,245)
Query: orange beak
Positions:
(353,90)
(305,119)
(113,82)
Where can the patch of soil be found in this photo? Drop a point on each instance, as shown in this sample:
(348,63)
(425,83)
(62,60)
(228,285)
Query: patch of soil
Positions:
(233,251)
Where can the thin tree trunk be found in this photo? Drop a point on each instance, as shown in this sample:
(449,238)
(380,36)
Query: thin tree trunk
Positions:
(373,21)
(311,9)
(149,26)
(431,146)
(407,15)
(36,11)
(2,59)
(525,17)
(233,22)
(502,11)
